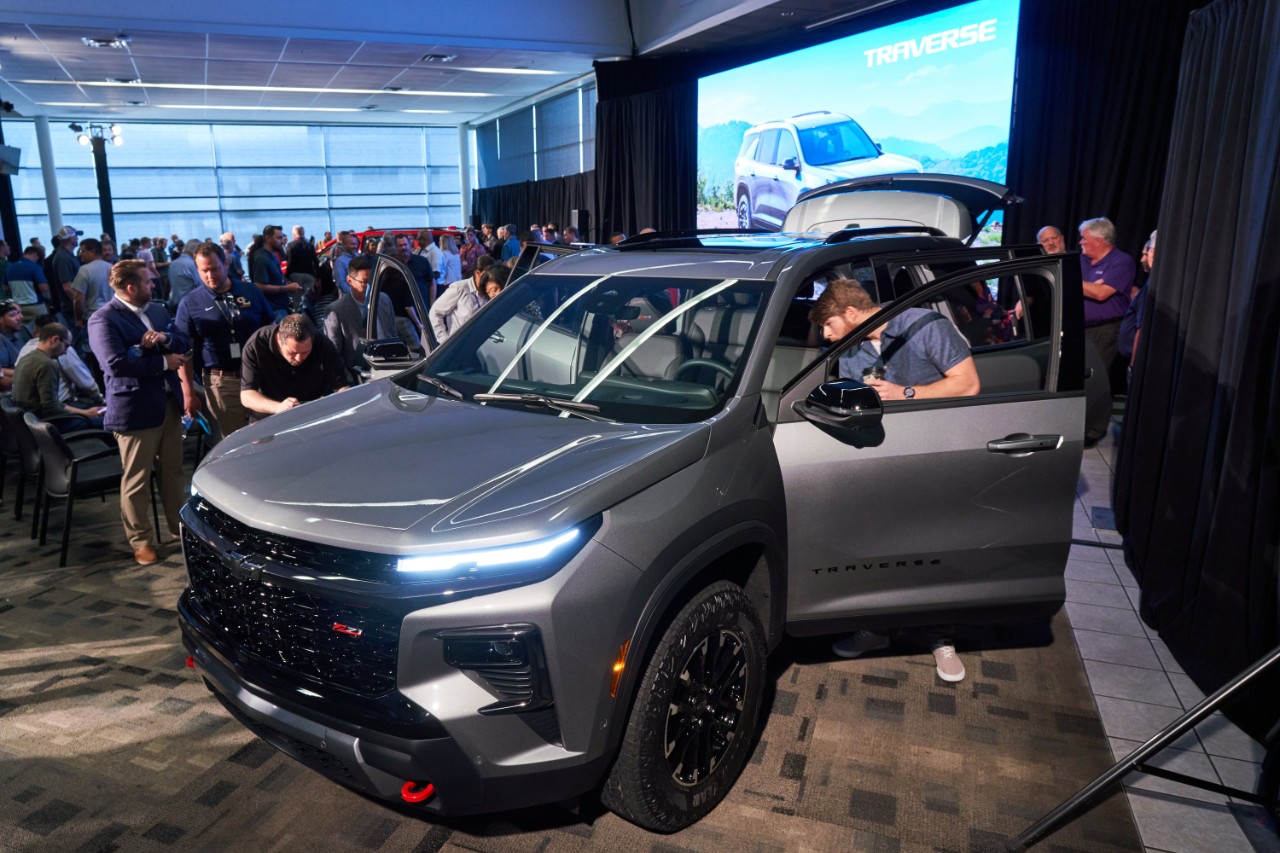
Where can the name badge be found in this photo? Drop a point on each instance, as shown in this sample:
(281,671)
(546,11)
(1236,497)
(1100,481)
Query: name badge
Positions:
(235,349)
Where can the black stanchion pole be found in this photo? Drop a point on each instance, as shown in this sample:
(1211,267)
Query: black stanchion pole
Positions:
(1086,798)
(99,146)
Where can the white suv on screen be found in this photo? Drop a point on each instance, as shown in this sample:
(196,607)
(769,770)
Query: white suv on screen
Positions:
(781,159)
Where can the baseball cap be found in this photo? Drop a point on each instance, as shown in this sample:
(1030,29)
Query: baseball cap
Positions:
(7,305)
(67,231)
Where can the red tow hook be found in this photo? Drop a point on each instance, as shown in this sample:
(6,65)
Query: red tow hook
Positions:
(409,795)
(191,662)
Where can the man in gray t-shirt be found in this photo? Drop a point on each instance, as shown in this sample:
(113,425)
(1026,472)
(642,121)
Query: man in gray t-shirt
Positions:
(916,355)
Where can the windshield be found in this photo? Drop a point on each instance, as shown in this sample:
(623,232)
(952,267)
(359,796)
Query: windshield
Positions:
(836,143)
(640,349)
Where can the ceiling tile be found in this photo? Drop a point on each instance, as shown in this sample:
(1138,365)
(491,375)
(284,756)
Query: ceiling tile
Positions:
(245,47)
(365,77)
(150,43)
(228,73)
(303,74)
(165,69)
(372,53)
(316,50)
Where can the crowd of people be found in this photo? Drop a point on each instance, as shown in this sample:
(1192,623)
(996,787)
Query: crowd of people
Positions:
(145,338)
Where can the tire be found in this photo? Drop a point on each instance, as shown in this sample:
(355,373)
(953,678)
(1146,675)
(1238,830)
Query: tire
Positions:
(682,749)
(745,220)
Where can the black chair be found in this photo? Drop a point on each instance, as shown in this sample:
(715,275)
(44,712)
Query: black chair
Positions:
(68,474)
(8,450)
(28,452)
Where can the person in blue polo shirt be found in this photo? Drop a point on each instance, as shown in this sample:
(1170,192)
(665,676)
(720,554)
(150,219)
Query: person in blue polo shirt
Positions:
(218,319)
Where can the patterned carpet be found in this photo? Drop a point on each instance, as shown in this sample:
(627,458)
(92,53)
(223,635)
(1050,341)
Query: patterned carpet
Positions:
(109,743)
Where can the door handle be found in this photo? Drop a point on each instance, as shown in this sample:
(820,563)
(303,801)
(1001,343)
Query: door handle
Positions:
(1022,444)
(498,338)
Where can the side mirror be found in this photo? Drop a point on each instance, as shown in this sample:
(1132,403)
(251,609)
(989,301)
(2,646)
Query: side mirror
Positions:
(879,147)
(791,163)
(844,404)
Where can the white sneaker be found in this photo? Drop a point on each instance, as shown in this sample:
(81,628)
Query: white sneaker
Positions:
(950,667)
(860,643)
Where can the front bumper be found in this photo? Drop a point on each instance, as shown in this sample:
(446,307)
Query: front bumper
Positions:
(375,762)
(270,639)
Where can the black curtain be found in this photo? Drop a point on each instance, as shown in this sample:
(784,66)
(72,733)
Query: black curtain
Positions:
(646,146)
(1198,480)
(9,212)
(544,201)
(1092,114)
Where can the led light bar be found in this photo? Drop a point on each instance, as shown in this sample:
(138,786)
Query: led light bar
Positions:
(507,555)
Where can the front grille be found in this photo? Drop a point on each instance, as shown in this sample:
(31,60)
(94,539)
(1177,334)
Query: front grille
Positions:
(297,553)
(294,634)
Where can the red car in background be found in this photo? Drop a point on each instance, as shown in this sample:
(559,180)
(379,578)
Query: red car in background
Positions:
(369,238)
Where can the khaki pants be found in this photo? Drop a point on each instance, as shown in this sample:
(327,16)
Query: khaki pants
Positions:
(141,450)
(222,396)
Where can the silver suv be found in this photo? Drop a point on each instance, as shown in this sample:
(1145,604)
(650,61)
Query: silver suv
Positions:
(553,557)
(779,160)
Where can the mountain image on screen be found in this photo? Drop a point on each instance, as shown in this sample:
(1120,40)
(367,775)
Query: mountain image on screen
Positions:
(931,94)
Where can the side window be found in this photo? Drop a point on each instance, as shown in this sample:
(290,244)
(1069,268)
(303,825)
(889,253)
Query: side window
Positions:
(800,340)
(768,144)
(1001,323)
(786,148)
(749,146)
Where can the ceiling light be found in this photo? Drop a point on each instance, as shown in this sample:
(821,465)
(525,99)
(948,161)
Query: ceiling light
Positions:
(118,42)
(76,127)
(135,103)
(117,140)
(393,88)
(311,90)
(368,107)
(124,81)
(115,130)
(438,57)
(511,71)
(82,139)
(264,109)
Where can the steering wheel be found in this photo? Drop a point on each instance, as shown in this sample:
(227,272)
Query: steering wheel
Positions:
(722,369)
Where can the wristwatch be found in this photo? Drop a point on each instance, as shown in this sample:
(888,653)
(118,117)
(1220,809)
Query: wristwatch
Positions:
(909,392)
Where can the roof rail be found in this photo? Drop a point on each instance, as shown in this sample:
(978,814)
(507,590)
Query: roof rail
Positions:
(846,234)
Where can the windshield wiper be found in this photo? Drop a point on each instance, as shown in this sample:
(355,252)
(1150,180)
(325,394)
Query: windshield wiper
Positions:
(443,386)
(573,407)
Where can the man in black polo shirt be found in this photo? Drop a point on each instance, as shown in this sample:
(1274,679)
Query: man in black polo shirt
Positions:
(286,365)
(218,318)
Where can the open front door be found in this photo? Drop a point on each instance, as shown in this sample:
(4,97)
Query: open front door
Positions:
(950,510)
(389,351)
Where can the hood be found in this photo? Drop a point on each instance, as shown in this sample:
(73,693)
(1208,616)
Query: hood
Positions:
(384,469)
(956,205)
(874,167)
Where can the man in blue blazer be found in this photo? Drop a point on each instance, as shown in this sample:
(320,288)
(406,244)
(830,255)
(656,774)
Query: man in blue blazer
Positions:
(140,353)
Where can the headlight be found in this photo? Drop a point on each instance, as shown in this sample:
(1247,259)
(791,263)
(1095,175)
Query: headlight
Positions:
(541,552)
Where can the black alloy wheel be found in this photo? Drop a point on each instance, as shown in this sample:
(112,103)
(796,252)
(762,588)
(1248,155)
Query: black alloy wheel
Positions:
(695,715)
(706,707)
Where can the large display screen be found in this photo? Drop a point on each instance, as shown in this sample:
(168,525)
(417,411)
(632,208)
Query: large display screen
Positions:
(931,94)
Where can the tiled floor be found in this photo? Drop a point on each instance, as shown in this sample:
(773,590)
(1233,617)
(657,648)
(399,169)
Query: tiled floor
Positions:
(1140,688)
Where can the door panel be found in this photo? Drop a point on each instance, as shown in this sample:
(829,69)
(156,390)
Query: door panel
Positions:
(930,520)
(933,516)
